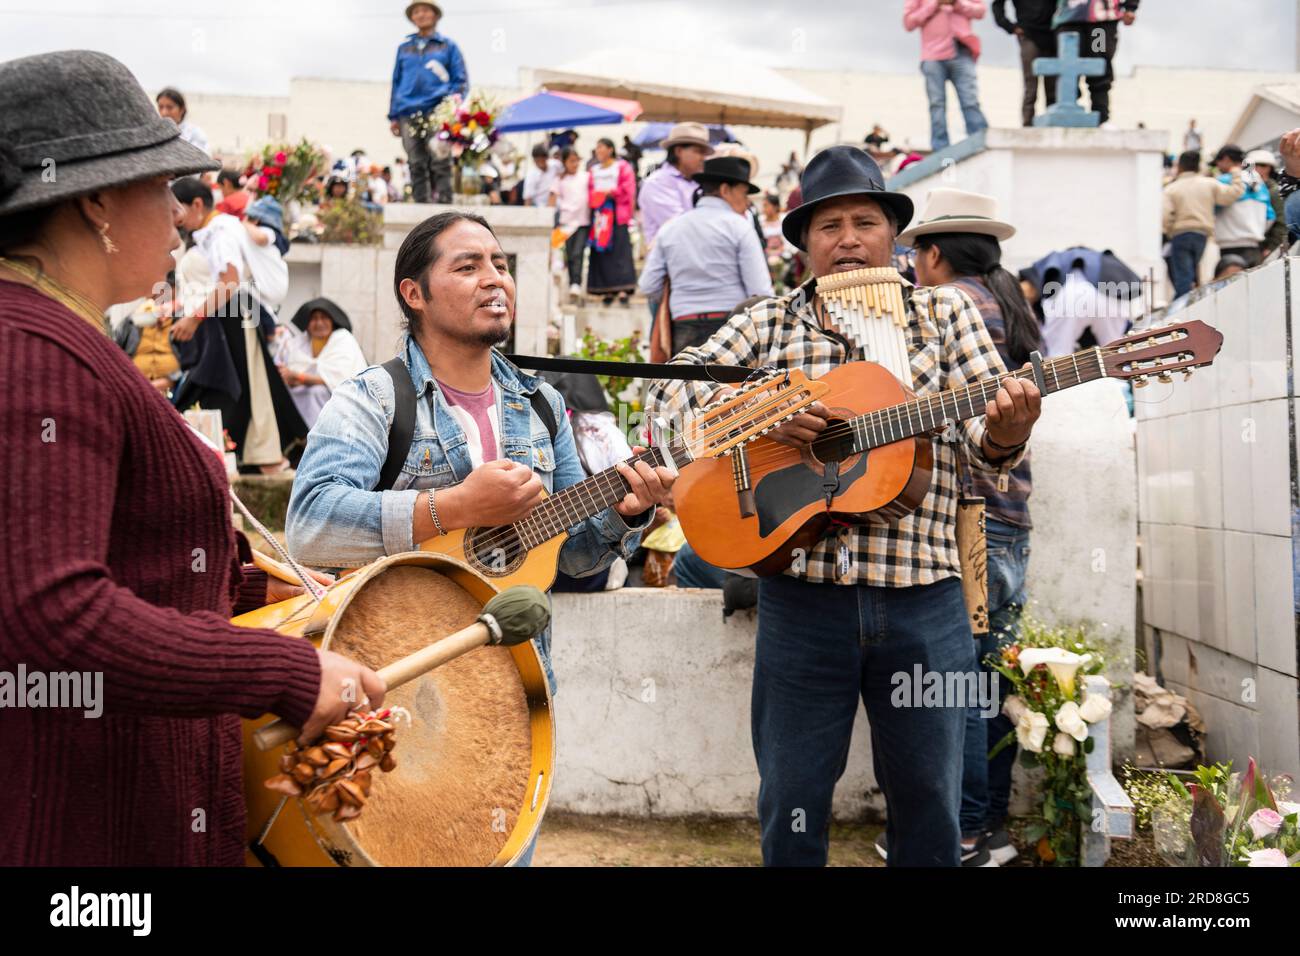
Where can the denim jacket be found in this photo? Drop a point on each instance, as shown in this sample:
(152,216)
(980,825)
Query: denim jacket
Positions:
(337,520)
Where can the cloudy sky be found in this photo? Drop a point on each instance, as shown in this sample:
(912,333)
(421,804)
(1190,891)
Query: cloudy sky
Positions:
(256,48)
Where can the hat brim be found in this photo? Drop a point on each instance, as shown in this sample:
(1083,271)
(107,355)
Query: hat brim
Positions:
(703,178)
(1001,231)
(173,158)
(437,10)
(686,142)
(794,222)
(329,307)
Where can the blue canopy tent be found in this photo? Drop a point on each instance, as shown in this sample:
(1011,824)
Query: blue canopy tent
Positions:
(652,134)
(546,110)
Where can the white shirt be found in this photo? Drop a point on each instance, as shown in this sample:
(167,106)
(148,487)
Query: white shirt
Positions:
(1078,306)
(538,182)
(571,199)
(221,242)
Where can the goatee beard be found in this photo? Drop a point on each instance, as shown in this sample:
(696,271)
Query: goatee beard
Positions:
(492,338)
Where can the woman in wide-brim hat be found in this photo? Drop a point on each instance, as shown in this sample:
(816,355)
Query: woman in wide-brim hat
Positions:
(957,243)
(120,569)
(319,357)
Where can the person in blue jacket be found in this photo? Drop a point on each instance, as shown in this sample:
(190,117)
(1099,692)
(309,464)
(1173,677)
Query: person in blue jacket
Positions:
(429,67)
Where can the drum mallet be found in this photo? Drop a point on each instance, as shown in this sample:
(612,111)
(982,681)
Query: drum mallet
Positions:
(512,617)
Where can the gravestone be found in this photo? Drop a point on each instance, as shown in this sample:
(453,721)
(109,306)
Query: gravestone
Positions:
(1068,67)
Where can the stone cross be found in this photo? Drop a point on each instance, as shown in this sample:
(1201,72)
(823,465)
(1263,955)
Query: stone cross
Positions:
(1068,66)
(1112,810)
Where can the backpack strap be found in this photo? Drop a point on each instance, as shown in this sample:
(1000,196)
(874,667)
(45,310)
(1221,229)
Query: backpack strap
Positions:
(544,411)
(402,430)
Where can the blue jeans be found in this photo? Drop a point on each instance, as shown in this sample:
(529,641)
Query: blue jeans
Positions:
(694,572)
(986,784)
(1185,251)
(960,71)
(822,646)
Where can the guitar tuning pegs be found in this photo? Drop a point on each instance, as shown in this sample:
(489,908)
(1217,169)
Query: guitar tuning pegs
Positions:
(1187,373)
(1140,381)
(1165,378)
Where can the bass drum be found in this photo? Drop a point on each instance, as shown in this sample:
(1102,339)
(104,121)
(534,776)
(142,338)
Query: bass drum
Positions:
(473,767)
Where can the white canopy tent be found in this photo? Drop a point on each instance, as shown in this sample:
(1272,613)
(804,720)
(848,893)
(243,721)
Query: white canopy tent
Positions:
(677,87)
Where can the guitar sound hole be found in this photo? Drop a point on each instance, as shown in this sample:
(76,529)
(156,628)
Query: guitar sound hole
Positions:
(495,551)
(838,446)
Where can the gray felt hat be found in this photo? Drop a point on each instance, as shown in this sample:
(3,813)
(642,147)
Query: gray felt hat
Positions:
(77,121)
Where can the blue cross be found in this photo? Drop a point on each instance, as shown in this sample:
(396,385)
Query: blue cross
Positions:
(1068,66)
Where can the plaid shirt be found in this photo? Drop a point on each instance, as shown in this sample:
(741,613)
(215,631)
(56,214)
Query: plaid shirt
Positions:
(949,347)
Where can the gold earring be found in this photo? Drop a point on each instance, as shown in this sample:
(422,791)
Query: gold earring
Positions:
(110,246)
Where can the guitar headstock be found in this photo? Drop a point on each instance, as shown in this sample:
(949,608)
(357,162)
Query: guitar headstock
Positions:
(752,410)
(1160,352)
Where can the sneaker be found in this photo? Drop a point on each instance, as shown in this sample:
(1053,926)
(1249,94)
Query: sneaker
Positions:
(1000,847)
(882,846)
(575,291)
(977,855)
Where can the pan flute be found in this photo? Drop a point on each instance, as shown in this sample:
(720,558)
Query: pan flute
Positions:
(866,306)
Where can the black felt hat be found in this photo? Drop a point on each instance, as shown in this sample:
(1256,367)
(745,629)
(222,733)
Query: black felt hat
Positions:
(329,307)
(842,171)
(725,169)
(77,121)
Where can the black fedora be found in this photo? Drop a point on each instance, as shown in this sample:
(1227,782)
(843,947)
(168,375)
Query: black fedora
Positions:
(842,171)
(329,307)
(75,122)
(725,169)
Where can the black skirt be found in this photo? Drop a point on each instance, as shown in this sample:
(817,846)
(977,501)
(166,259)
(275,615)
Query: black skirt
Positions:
(613,271)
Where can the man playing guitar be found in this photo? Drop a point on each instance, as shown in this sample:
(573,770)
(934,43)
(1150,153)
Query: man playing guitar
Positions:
(867,602)
(480,453)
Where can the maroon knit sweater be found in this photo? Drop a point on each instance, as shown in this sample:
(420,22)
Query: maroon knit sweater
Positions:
(107,496)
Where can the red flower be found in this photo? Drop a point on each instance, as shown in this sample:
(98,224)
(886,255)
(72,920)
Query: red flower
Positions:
(482,118)
(280,157)
(262,182)
(463,116)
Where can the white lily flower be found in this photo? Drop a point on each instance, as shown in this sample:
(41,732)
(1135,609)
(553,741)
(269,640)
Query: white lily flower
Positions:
(1062,663)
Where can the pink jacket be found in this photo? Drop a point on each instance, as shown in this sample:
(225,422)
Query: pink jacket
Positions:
(624,193)
(939,25)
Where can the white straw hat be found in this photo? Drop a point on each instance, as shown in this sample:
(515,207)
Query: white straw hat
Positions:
(956,210)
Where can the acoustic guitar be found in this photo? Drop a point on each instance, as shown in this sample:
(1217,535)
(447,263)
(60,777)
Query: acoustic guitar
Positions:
(528,551)
(873,461)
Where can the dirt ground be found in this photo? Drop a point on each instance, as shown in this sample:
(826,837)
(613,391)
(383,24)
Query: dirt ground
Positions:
(577,840)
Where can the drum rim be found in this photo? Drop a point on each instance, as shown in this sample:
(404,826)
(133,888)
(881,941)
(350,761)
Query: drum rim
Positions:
(335,838)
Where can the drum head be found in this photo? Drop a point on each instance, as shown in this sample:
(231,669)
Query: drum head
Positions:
(465,763)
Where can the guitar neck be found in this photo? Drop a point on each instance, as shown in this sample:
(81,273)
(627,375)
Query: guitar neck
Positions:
(578,502)
(887,425)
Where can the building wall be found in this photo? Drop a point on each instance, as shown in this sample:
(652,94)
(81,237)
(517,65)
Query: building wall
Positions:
(1217,502)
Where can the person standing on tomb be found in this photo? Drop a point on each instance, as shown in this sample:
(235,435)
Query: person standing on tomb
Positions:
(1265,164)
(1033,29)
(1189,203)
(1192,138)
(1097,24)
(949,49)
(429,68)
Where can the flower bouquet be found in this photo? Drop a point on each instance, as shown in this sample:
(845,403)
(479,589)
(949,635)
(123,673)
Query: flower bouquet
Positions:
(285,172)
(1052,715)
(466,128)
(1223,818)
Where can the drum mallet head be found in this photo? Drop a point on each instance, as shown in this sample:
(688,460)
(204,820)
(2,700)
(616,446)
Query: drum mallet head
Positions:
(516,615)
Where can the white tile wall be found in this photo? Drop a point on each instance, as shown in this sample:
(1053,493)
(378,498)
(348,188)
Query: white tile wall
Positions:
(1187,618)
(1270,467)
(1205,467)
(1239,594)
(1275,603)
(1238,513)
(1267,336)
(1157,435)
(1158,584)
(1279,736)
(1203,387)
(1233,320)
(1210,595)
